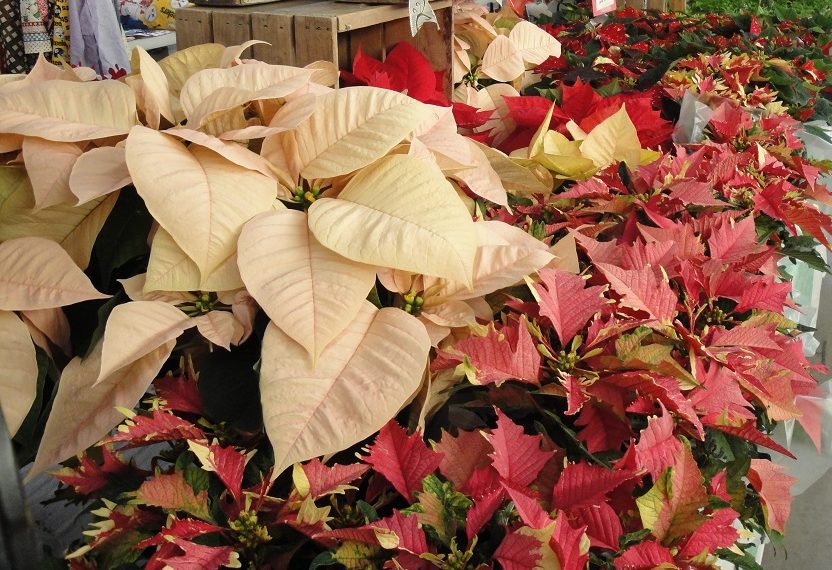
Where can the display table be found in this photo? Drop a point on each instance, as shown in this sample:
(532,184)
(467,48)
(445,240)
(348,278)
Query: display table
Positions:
(164,39)
(300,32)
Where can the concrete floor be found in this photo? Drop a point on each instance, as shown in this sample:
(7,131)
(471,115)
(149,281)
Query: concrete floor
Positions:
(807,544)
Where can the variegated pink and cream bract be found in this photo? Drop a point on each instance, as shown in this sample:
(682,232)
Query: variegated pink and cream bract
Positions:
(500,46)
(217,147)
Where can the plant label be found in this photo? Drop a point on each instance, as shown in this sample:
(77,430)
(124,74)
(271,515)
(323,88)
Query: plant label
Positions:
(602,6)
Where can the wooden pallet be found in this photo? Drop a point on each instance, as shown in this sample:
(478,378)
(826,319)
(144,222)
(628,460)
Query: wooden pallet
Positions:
(303,31)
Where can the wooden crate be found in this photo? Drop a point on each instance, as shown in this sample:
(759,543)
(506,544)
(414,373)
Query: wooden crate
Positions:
(303,31)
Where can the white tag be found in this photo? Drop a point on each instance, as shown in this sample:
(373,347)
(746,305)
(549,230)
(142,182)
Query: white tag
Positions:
(537,9)
(602,6)
(420,13)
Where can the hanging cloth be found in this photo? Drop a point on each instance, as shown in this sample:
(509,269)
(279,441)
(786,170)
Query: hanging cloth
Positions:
(60,32)
(11,38)
(33,17)
(97,40)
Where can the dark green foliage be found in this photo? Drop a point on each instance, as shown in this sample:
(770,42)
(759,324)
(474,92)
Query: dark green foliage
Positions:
(228,384)
(784,7)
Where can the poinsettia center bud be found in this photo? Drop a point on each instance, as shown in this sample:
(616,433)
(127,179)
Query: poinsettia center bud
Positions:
(538,229)
(567,361)
(306,196)
(250,533)
(412,303)
(346,515)
(715,316)
(458,560)
(743,197)
(203,303)
(472,78)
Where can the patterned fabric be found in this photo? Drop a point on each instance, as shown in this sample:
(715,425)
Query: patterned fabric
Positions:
(35,38)
(97,39)
(151,14)
(11,38)
(60,32)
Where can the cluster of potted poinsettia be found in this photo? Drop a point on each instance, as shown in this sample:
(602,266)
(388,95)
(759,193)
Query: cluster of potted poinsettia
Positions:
(352,328)
(737,57)
(142,232)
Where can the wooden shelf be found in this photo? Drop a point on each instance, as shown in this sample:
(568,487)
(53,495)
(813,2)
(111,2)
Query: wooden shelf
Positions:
(302,31)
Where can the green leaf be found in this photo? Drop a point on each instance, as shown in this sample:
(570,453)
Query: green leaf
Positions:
(804,248)
(102,314)
(369,512)
(323,559)
(196,477)
(823,110)
(744,561)
(651,77)
(629,539)
(229,386)
(766,226)
(191,472)
(123,238)
(374,298)
(717,442)
(715,503)
(810,258)
(573,438)
(610,89)
(514,201)
(548,93)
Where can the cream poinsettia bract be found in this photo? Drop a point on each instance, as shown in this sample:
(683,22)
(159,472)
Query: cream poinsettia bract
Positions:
(268,190)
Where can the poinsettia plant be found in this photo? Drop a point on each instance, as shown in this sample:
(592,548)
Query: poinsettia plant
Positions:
(311,197)
(350,331)
(404,69)
(499,46)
